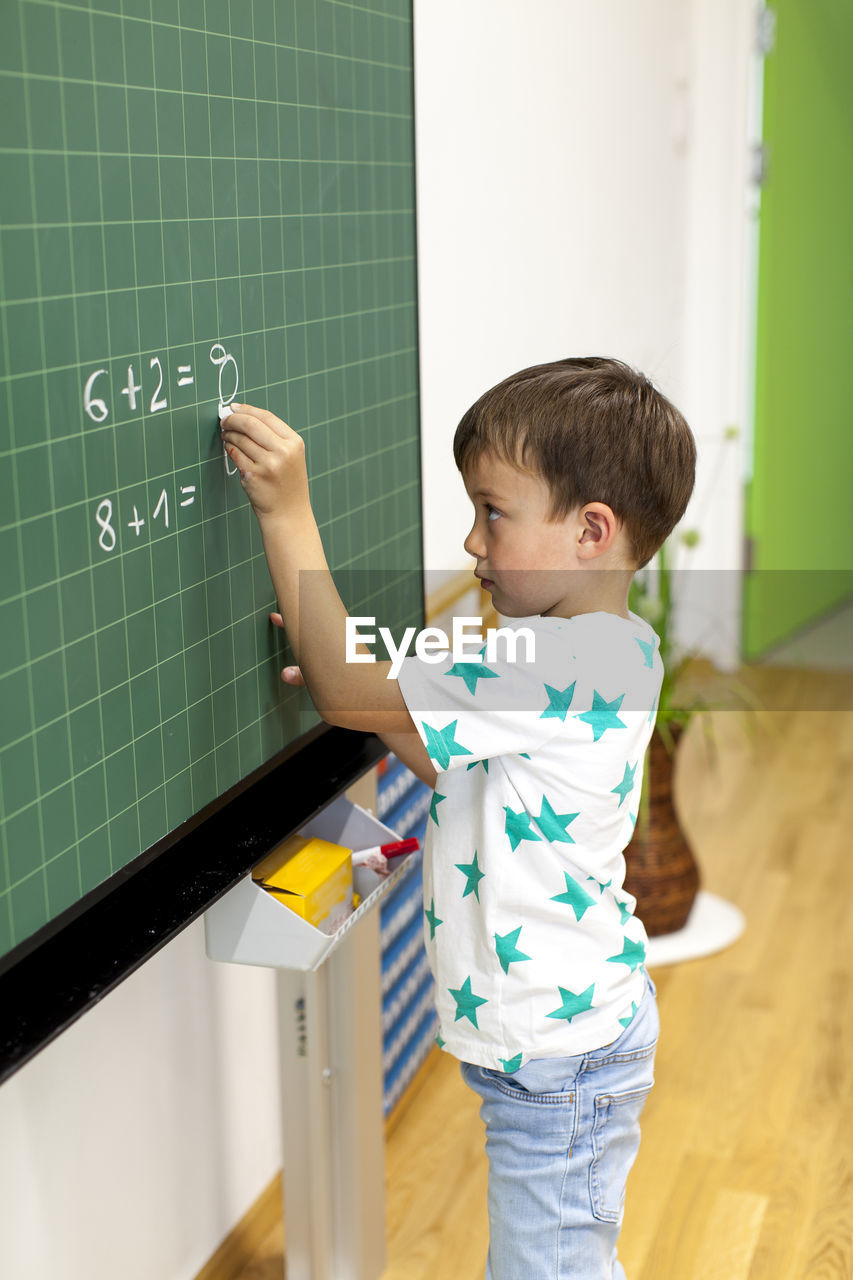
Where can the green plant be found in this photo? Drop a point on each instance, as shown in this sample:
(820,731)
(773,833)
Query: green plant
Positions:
(652,598)
(656,606)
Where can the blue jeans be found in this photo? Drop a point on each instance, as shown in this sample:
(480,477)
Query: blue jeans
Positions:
(561,1136)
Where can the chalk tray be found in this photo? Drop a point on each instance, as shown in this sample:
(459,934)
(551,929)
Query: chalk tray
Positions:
(248,925)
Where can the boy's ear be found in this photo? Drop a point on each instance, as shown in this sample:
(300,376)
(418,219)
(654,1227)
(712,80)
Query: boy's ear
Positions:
(604,532)
(601,525)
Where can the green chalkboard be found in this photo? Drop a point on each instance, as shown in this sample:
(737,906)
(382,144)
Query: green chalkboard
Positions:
(200,199)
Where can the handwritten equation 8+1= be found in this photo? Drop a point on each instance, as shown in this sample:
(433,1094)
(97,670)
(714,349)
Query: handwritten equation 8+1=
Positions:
(98,410)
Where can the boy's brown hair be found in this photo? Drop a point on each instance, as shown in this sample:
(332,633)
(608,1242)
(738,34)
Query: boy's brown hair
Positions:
(595,430)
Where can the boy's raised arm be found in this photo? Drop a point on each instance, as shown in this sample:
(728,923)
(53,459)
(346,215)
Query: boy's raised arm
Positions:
(270,457)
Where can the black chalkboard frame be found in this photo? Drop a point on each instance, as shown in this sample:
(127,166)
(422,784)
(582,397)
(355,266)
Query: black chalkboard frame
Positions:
(55,976)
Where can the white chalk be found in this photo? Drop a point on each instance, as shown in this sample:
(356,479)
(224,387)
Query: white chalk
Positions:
(224,412)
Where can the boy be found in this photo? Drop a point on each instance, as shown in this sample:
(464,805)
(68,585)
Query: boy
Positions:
(578,470)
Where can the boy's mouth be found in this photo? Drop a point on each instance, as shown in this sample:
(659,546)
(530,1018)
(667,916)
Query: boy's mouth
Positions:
(486,583)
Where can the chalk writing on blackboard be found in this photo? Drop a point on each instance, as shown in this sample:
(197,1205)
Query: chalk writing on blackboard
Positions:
(105,514)
(220,356)
(99,410)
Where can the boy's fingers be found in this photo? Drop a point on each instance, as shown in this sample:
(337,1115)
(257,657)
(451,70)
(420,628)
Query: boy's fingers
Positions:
(290,675)
(268,419)
(281,442)
(245,424)
(238,458)
(244,443)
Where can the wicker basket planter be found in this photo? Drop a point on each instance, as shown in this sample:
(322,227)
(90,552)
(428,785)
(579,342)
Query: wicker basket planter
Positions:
(662,873)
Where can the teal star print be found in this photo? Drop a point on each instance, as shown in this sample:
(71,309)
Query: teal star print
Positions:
(575,897)
(573,1003)
(511,1064)
(633,954)
(508,952)
(600,885)
(442,744)
(553,825)
(648,648)
(558,702)
(518,827)
(436,800)
(626,1022)
(625,912)
(473,876)
(484,763)
(433,919)
(466,1002)
(439,1041)
(626,786)
(652,712)
(603,715)
(472,671)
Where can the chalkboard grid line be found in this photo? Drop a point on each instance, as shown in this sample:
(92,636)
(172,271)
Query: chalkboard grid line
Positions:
(16,508)
(354,162)
(189,223)
(151,23)
(256,558)
(316,474)
(165,348)
(27,636)
(62,634)
(231,558)
(44,78)
(216,267)
(339,216)
(395,17)
(113,854)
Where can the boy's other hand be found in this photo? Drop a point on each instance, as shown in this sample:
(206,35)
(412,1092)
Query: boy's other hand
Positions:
(270,457)
(290,675)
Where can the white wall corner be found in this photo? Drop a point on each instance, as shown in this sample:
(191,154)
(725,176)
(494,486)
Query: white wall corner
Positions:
(717,323)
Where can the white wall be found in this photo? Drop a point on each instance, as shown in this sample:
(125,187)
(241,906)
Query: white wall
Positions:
(551,203)
(581,173)
(130,1145)
(719,320)
(580,192)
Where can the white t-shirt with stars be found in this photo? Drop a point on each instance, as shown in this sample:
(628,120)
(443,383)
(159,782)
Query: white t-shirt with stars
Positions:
(532,941)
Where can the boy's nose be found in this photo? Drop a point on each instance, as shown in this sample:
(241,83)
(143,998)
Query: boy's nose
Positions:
(473,544)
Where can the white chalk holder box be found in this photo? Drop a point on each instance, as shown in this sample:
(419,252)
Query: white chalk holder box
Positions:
(249,925)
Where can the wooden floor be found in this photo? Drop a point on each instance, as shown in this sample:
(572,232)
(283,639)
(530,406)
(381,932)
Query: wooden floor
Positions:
(746,1166)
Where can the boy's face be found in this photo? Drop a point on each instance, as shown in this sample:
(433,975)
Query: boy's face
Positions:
(523,559)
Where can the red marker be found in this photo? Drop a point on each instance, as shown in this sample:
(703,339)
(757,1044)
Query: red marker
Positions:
(392,850)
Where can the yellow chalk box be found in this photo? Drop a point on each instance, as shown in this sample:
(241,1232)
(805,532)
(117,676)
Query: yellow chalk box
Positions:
(313,877)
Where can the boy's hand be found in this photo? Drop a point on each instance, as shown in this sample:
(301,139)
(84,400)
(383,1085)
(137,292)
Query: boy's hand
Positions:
(290,675)
(406,745)
(270,457)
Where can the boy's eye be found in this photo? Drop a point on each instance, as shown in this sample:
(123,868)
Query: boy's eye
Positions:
(492,512)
